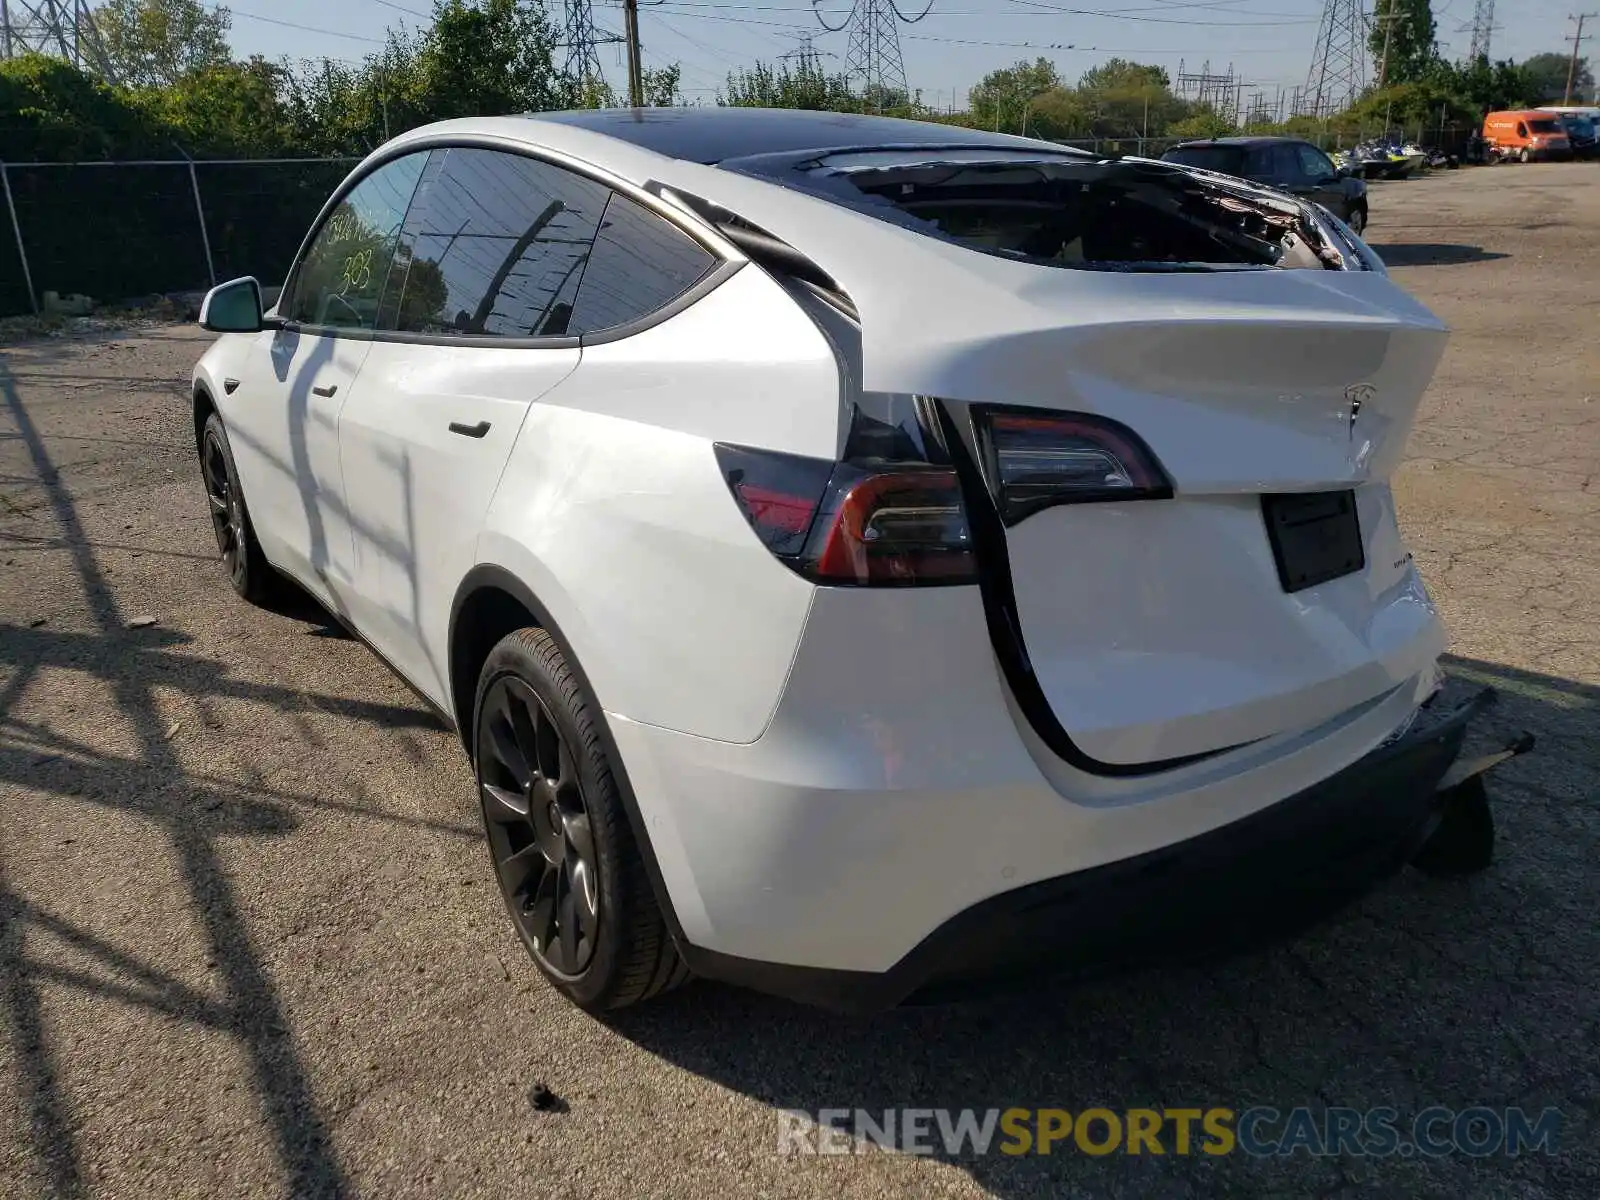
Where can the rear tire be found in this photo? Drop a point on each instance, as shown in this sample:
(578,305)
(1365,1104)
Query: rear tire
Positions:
(249,571)
(1358,220)
(570,872)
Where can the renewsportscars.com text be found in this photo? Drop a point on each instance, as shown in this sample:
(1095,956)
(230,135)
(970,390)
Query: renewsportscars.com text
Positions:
(1477,1132)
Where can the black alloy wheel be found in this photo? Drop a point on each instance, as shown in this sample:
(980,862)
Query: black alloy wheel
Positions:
(538,826)
(570,870)
(248,570)
(227,508)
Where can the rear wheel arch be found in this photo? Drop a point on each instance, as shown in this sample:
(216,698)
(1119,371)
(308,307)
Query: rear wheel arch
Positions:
(492,602)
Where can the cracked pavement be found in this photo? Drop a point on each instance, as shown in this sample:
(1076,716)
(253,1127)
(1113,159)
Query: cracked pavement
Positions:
(251,946)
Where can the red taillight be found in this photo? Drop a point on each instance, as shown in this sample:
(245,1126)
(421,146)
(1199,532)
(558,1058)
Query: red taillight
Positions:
(1036,460)
(896,527)
(842,523)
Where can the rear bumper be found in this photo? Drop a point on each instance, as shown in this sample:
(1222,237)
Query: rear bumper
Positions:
(1242,883)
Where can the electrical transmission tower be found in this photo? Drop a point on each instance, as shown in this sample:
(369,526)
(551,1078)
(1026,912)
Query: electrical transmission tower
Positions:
(582,43)
(60,28)
(1482,27)
(1339,63)
(874,54)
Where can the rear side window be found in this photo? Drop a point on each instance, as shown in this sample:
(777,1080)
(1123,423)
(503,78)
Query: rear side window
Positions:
(495,245)
(640,263)
(1228,160)
(342,274)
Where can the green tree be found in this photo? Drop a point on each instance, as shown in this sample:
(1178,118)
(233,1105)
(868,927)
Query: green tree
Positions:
(491,58)
(151,43)
(661,86)
(1129,99)
(1001,100)
(52,112)
(804,85)
(1403,40)
(1547,77)
(234,109)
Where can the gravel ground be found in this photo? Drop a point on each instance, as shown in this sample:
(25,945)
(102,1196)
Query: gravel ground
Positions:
(249,942)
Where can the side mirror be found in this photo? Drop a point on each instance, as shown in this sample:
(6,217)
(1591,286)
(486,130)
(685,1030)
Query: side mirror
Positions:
(233,307)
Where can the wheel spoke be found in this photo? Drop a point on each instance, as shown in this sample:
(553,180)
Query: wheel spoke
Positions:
(520,724)
(516,869)
(219,506)
(568,918)
(541,914)
(548,745)
(567,780)
(504,743)
(580,837)
(584,898)
(501,806)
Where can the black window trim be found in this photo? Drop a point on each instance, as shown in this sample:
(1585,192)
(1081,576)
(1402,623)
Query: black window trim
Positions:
(726,265)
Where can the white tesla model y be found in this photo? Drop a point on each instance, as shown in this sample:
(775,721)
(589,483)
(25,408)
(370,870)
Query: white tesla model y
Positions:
(863,558)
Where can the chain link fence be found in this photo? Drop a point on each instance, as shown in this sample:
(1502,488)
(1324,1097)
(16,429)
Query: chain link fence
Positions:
(118,231)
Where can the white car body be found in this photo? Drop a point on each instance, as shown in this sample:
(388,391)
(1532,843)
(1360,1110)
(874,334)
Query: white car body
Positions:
(828,776)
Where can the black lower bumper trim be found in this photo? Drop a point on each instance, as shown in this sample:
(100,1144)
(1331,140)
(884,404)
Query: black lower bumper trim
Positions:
(1242,884)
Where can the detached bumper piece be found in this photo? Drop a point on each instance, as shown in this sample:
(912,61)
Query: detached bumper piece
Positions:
(1462,842)
(1241,885)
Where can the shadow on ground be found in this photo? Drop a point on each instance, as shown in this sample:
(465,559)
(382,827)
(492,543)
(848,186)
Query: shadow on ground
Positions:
(1432,254)
(195,810)
(1428,992)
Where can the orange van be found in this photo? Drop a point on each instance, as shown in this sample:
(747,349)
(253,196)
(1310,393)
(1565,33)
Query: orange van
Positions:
(1526,134)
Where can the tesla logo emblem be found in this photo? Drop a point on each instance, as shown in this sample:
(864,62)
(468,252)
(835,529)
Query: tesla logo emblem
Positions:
(1358,394)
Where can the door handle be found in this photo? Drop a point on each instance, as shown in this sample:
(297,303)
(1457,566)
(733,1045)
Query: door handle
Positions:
(329,390)
(471,431)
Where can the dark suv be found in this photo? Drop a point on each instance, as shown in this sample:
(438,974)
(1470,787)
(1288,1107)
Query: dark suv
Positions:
(1287,164)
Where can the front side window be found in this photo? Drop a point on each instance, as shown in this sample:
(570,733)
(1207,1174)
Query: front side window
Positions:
(641,263)
(1522,130)
(1285,162)
(341,278)
(1314,162)
(496,245)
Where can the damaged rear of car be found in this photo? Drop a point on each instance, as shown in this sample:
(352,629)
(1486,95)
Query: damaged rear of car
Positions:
(1149,414)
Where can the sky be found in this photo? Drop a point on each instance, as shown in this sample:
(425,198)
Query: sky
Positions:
(1268,43)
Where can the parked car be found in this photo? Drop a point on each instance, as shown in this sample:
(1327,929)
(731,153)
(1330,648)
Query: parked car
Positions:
(1582,125)
(1288,164)
(859,556)
(1526,135)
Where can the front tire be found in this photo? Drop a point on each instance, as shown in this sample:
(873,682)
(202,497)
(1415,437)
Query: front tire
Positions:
(1525,156)
(572,876)
(1358,221)
(248,570)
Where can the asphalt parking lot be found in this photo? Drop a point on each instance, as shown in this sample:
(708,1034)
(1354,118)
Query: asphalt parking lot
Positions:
(250,943)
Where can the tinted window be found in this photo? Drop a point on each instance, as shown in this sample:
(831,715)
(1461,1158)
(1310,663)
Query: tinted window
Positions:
(343,272)
(1285,162)
(640,263)
(1522,130)
(1545,126)
(1228,160)
(496,244)
(1314,162)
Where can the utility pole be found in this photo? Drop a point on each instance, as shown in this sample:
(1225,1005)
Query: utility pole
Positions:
(630,10)
(1388,20)
(1572,66)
